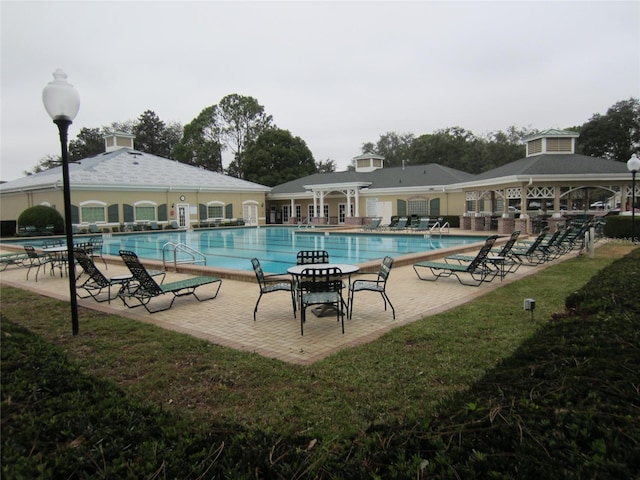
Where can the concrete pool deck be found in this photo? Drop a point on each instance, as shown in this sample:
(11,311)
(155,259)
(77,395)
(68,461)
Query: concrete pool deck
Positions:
(228,319)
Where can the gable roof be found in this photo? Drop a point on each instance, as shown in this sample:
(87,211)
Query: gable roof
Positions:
(127,169)
(427,175)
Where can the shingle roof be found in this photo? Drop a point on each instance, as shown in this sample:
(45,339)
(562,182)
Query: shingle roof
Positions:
(128,169)
(427,175)
(552,132)
(556,164)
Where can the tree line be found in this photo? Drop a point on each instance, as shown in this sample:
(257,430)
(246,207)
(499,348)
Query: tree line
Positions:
(263,153)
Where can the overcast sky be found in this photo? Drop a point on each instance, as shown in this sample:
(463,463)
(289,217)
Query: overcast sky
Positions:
(336,74)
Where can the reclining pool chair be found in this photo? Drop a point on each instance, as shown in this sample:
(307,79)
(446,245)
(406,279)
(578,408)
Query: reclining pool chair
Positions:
(7,259)
(97,281)
(143,288)
(510,263)
(536,252)
(478,269)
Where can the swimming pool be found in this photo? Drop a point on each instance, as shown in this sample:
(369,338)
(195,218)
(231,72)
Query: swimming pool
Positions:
(276,246)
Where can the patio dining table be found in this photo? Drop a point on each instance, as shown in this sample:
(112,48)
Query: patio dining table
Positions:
(346,269)
(58,256)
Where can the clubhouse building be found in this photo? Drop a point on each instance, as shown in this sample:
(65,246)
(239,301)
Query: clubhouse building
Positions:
(126,187)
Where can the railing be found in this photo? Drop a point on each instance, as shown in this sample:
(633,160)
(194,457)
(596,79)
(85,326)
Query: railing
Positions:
(304,223)
(194,256)
(440,227)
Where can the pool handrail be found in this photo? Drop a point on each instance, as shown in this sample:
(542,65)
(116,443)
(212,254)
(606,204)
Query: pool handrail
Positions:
(182,247)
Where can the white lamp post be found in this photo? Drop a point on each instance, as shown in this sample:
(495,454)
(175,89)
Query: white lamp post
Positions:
(633,164)
(62,103)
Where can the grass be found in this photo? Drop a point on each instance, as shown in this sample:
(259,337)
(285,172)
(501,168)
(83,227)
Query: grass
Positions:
(404,375)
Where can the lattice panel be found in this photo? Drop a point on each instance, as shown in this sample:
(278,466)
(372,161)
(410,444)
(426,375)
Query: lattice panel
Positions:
(629,195)
(514,193)
(470,196)
(540,192)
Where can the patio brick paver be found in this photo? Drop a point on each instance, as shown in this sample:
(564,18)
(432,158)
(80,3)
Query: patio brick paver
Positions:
(228,319)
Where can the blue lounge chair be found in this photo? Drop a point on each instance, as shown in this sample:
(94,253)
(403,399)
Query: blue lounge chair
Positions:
(423,225)
(373,226)
(401,225)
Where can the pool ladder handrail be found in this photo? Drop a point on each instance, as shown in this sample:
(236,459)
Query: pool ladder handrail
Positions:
(304,222)
(440,227)
(184,248)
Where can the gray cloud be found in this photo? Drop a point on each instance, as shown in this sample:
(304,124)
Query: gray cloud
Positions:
(337,74)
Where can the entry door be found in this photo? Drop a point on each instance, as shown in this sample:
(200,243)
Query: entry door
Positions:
(250,214)
(183,212)
(342,212)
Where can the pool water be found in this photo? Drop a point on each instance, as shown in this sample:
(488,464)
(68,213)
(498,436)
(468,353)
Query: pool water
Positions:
(276,247)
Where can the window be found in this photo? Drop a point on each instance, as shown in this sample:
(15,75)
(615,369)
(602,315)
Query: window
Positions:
(311,211)
(418,207)
(558,145)
(535,146)
(326,211)
(215,211)
(145,213)
(92,214)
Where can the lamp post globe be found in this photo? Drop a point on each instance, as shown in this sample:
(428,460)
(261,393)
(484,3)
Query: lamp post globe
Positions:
(633,164)
(62,102)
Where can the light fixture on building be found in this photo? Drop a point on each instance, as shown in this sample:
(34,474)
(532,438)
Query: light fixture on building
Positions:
(62,102)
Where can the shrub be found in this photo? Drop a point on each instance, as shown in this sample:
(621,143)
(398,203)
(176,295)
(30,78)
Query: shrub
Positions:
(618,226)
(42,218)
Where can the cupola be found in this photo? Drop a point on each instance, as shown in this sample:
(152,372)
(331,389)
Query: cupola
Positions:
(116,140)
(368,162)
(551,141)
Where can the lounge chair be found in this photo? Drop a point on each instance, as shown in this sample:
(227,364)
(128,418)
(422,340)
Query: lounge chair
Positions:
(361,284)
(537,252)
(508,263)
(373,226)
(401,225)
(271,283)
(143,288)
(321,286)
(36,260)
(576,239)
(7,259)
(93,228)
(173,225)
(96,281)
(478,269)
(423,225)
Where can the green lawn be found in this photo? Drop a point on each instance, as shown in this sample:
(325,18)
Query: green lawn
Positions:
(401,379)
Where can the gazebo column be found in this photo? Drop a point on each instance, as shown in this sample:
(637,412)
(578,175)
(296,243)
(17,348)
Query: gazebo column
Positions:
(293,219)
(354,219)
(357,200)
